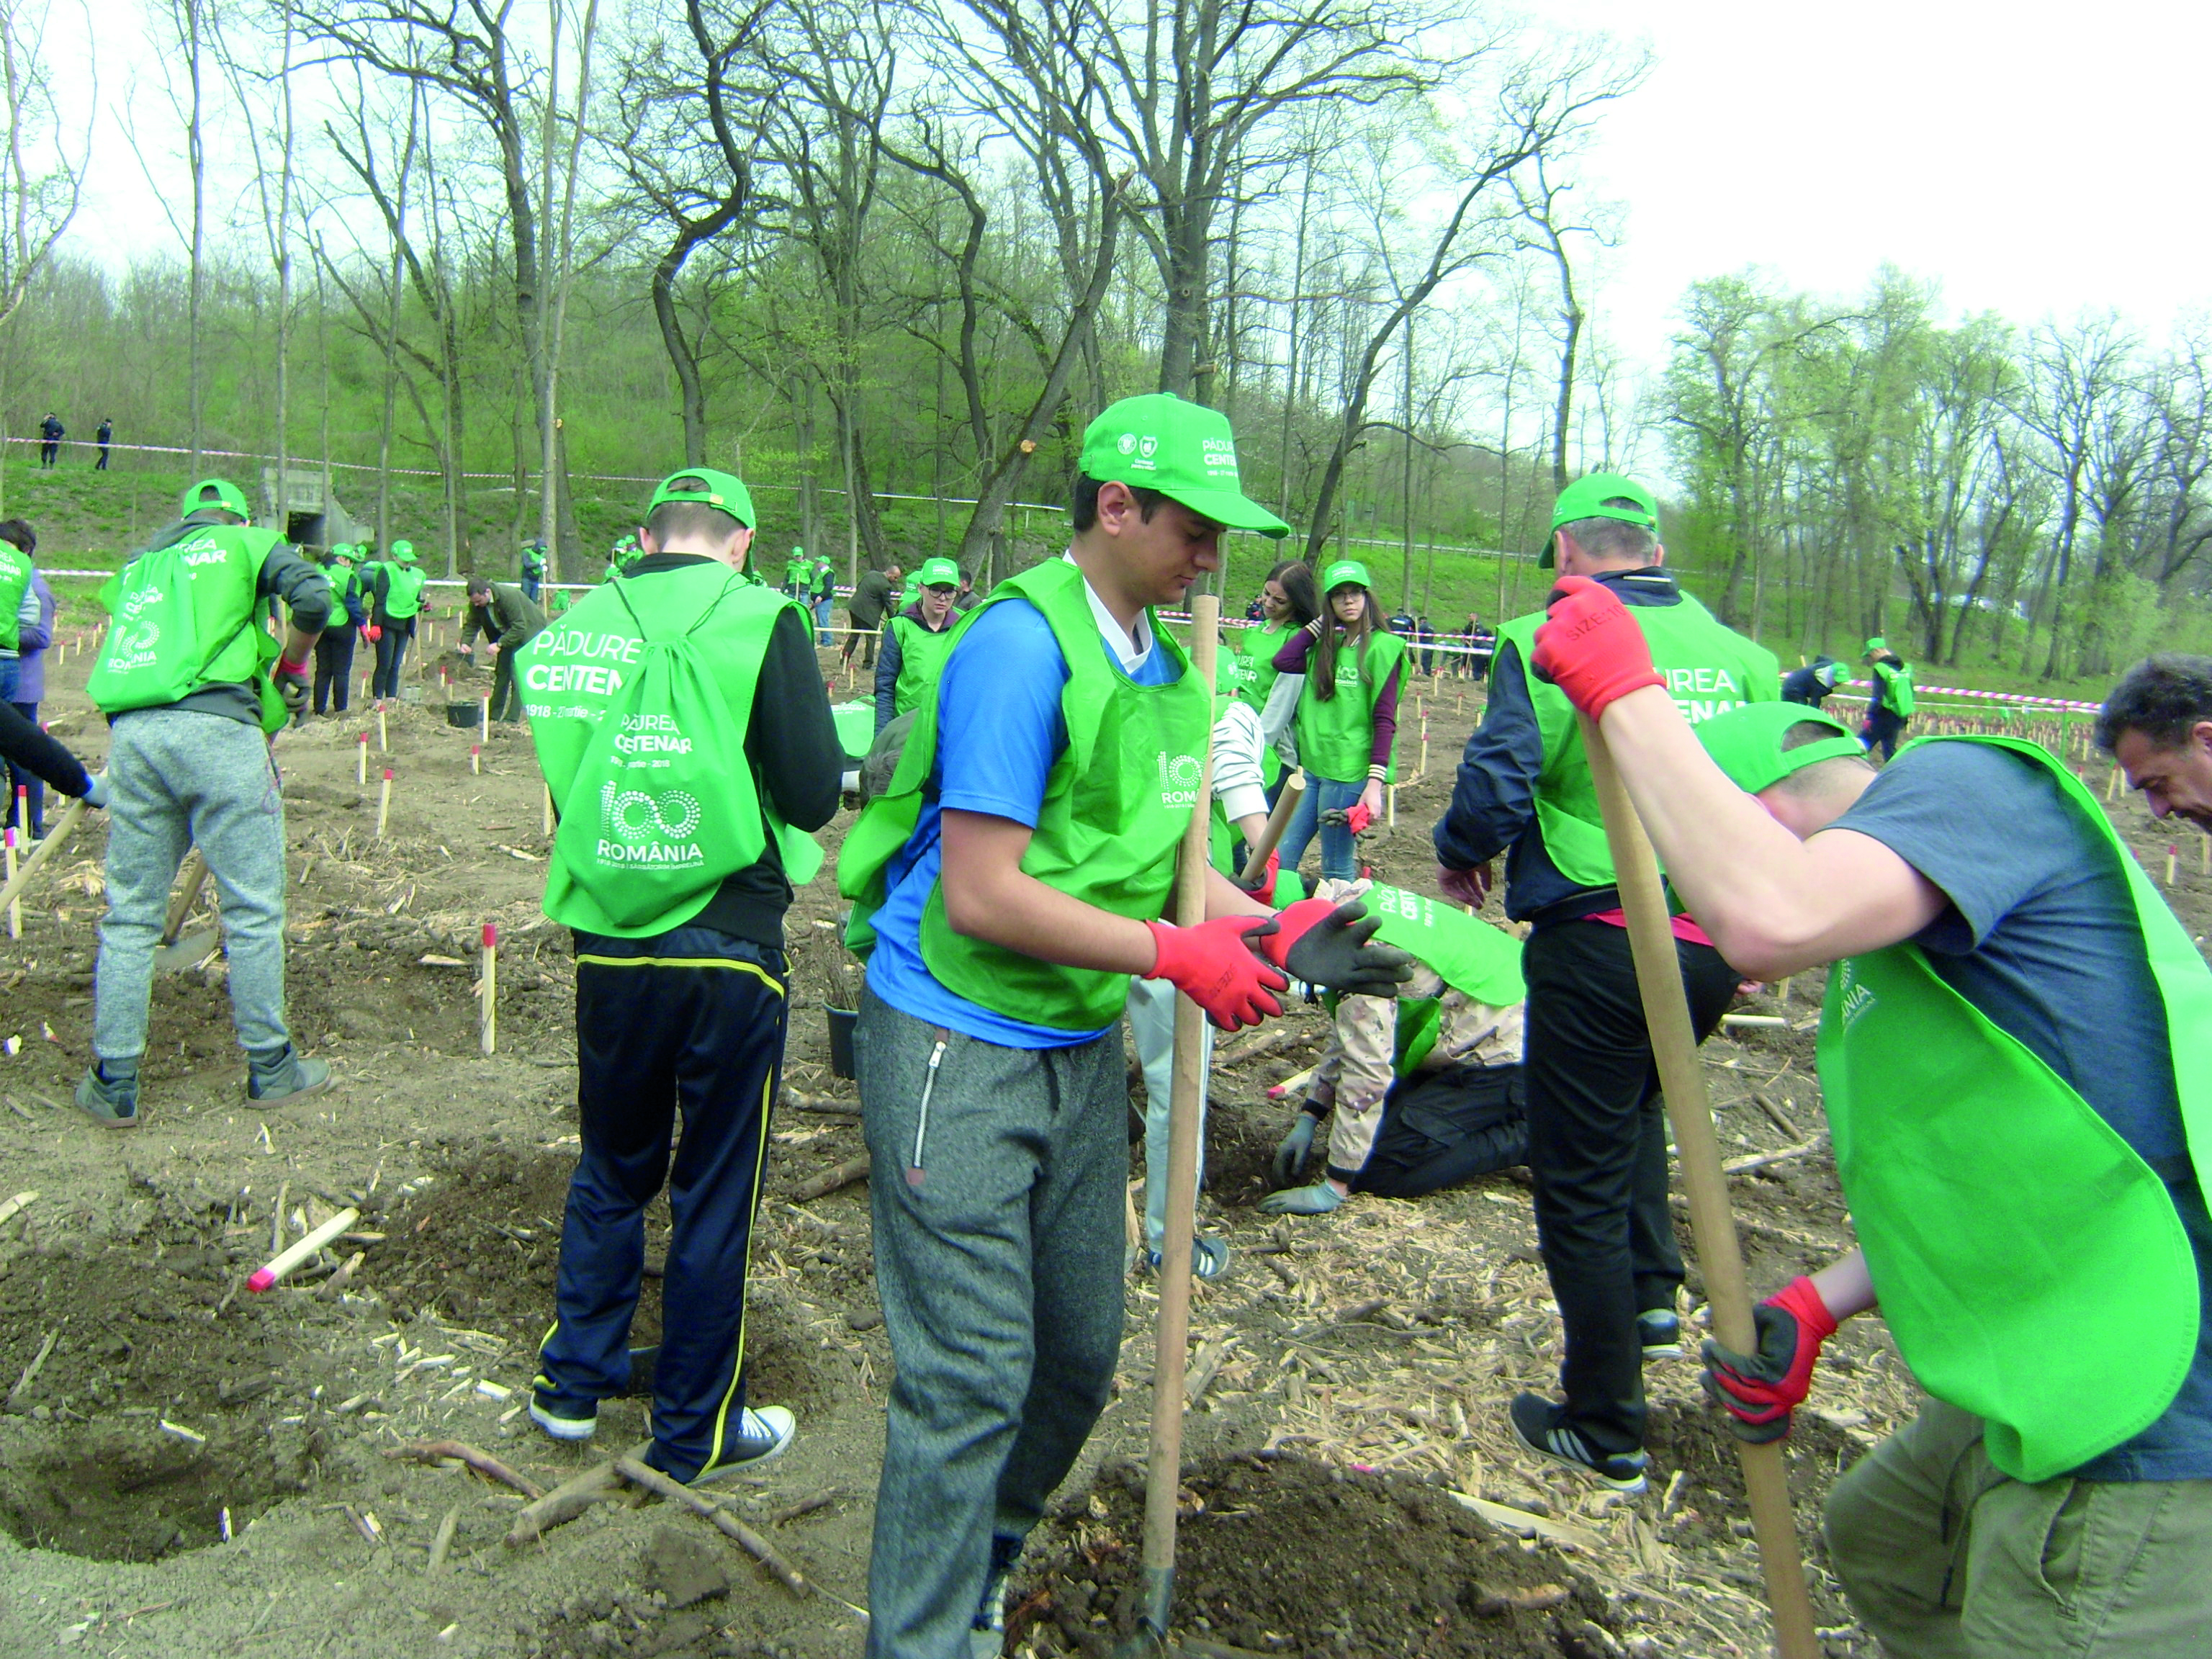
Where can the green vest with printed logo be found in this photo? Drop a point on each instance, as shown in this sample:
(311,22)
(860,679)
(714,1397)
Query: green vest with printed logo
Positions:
(1481,962)
(1115,803)
(1336,735)
(188,616)
(1996,1207)
(14,581)
(1893,688)
(921,660)
(402,597)
(1709,668)
(640,698)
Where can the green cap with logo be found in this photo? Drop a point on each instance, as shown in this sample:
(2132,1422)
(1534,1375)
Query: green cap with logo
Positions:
(1344,572)
(1183,449)
(228,496)
(1877,644)
(708,488)
(1746,742)
(403,551)
(939,573)
(1586,498)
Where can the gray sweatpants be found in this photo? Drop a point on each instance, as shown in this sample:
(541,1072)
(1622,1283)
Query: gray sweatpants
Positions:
(182,779)
(999,1260)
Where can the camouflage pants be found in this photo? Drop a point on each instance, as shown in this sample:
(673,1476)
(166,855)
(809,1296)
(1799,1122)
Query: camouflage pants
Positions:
(1355,1072)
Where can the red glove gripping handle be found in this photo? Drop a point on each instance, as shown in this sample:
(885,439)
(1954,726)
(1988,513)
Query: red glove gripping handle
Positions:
(297,670)
(1357,817)
(1214,967)
(1758,1402)
(1291,922)
(1591,648)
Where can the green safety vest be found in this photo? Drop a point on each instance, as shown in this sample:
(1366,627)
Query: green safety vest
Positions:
(1255,674)
(2031,1267)
(1336,737)
(403,596)
(656,815)
(1709,669)
(1115,803)
(15,580)
(909,591)
(1893,687)
(921,660)
(799,575)
(188,616)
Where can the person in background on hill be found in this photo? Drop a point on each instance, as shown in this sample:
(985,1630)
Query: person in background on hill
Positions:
(193,687)
(1597,1142)
(2157,723)
(104,436)
(1891,704)
(682,983)
(2012,1060)
(1009,882)
(395,593)
(23,668)
(50,434)
(965,597)
(872,598)
(1467,664)
(799,574)
(915,642)
(823,598)
(1347,719)
(1810,686)
(349,612)
(533,570)
(1426,636)
(1462,1007)
(501,613)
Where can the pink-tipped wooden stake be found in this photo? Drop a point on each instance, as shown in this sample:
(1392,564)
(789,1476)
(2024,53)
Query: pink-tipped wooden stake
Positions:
(476,758)
(360,762)
(384,805)
(488,1016)
(300,1250)
(2172,857)
(15,905)
(383,730)
(483,720)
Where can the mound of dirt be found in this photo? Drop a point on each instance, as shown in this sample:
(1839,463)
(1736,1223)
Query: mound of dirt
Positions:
(1279,1554)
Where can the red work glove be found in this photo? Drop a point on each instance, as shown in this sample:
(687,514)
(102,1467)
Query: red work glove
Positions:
(1760,1390)
(1216,967)
(1264,882)
(290,679)
(1357,817)
(372,633)
(1334,947)
(1591,648)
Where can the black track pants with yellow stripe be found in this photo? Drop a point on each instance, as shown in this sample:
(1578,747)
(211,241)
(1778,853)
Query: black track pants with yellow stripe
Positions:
(691,1019)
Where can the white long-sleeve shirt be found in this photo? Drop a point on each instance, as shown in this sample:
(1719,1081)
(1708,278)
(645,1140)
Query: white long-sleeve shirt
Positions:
(1238,783)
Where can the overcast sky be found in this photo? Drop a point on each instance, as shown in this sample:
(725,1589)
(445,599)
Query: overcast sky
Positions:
(2035,159)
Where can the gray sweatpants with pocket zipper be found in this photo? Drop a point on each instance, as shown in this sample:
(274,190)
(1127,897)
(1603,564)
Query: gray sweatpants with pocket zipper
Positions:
(998,1250)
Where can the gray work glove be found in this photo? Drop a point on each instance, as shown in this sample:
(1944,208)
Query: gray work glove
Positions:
(1296,1146)
(100,794)
(1317,1199)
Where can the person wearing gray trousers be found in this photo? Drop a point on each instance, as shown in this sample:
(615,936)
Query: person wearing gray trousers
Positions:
(997,1179)
(183,778)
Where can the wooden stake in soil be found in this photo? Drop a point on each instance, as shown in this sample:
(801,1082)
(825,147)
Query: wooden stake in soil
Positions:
(360,762)
(548,789)
(488,1016)
(483,720)
(383,730)
(15,905)
(57,834)
(301,1251)
(2203,854)
(1164,1474)
(476,759)
(1674,1047)
(383,803)
(2172,855)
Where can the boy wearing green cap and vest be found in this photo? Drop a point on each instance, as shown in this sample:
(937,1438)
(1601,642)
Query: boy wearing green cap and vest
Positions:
(395,594)
(2012,1058)
(1891,705)
(334,650)
(1009,884)
(1347,718)
(533,570)
(1462,1005)
(1597,1143)
(682,730)
(915,642)
(193,686)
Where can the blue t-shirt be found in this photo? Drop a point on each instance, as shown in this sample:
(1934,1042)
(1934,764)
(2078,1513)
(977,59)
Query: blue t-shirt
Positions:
(2041,937)
(998,732)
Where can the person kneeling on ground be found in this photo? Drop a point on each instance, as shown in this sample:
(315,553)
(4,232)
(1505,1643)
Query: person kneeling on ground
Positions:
(2012,1060)
(1389,1133)
(685,790)
(193,687)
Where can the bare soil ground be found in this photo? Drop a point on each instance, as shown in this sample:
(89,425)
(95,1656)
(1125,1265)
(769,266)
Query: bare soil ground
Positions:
(1356,1366)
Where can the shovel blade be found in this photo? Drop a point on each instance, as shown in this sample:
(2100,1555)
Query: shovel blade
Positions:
(191,948)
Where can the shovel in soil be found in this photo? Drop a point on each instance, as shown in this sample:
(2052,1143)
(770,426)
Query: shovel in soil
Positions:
(174,954)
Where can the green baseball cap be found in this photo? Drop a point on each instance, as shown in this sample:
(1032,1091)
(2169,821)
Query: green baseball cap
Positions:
(1877,644)
(939,573)
(1746,742)
(1343,571)
(1586,498)
(1183,449)
(403,551)
(228,496)
(709,489)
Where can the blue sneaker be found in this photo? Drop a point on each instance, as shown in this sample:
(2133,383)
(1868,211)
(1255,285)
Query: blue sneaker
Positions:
(1539,1425)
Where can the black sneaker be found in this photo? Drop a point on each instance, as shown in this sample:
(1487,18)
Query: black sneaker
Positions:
(1661,1333)
(1537,1424)
(762,1436)
(111,1103)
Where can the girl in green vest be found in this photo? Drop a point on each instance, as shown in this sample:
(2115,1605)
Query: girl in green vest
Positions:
(396,592)
(916,641)
(1287,602)
(334,649)
(1347,719)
